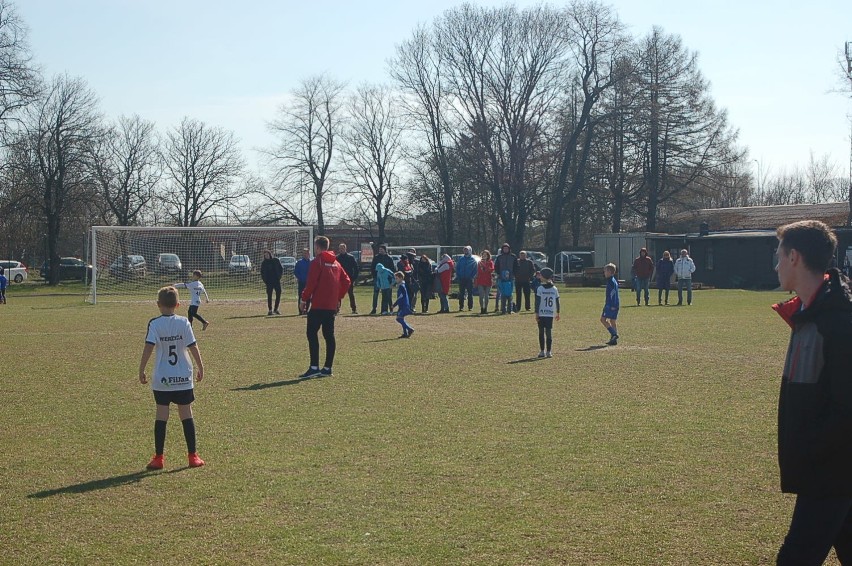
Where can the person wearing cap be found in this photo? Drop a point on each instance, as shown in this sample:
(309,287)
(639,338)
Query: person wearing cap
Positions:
(546,309)
(466,271)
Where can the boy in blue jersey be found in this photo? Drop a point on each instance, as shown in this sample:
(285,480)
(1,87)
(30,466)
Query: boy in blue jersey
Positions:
(402,304)
(172,380)
(610,311)
(3,283)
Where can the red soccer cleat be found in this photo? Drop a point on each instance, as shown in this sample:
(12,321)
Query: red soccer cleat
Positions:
(194,460)
(156,463)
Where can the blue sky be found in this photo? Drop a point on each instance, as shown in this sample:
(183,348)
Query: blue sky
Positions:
(772,65)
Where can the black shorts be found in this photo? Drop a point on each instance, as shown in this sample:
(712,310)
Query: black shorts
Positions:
(545,322)
(182,397)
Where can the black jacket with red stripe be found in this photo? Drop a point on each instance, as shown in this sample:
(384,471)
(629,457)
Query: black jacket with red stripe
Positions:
(815,404)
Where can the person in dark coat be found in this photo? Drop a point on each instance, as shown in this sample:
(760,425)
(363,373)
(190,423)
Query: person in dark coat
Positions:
(815,403)
(426,280)
(386,260)
(665,270)
(271,272)
(350,266)
(523,276)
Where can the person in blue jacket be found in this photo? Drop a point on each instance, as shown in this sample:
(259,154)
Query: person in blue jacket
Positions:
(402,304)
(466,273)
(384,283)
(300,272)
(610,311)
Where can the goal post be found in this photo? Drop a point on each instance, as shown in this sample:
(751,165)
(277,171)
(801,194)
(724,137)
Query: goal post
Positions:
(133,262)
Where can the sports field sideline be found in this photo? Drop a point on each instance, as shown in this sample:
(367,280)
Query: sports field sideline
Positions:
(454,447)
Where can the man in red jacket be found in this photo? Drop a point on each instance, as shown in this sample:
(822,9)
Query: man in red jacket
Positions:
(326,286)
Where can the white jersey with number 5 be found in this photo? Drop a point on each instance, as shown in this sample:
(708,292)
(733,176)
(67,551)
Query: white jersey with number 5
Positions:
(171,335)
(195,289)
(547,297)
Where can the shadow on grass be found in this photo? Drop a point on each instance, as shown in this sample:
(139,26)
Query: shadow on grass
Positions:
(394,339)
(282,383)
(105,483)
(591,348)
(526,360)
(263,316)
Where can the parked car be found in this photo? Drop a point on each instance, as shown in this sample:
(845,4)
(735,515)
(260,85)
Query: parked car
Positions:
(538,258)
(288,263)
(566,262)
(240,264)
(169,263)
(69,268)
(129,266)
(14,270)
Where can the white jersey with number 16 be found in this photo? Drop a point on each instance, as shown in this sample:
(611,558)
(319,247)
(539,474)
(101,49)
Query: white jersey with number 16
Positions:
(171,335)
(547,301)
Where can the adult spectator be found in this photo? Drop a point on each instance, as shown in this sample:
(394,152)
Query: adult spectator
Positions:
(484,272)
(326,286)
(524,272)
(814,415)
(665,269)
(466,271)
(414,287)
(506,260)
(271,272)
(350,266)
(405,267)
(425,278)
(386,260)
(444,272)
(643,269)
(300,272)
(684,267)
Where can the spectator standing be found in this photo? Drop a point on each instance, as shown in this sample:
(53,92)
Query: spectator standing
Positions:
(643,269)
(445,276)
(684,267)
(350,266)
(384,282)
(326,286)
(271,272)
(466,271)
(4,282)
(425,278)
(404,266)
(414,287)
(814,416)
(383,258)
(665,269)
(300,272)
(524,273)
(484,271)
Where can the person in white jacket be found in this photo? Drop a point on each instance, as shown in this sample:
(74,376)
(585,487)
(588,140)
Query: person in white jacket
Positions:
(684,267)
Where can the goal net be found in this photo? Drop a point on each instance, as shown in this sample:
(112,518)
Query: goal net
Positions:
(132,263)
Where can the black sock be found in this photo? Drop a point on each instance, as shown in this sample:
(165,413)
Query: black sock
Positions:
(159,437)
(189,434)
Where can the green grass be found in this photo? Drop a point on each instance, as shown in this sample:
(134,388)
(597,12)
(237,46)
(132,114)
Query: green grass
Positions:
(449,448)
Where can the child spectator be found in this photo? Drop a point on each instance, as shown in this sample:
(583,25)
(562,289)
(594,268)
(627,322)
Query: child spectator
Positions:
(384,283)
(195,287)
(536,281)
(171,381)
(4,282)
(546,309)
(610,311)
(507,290)
(403,304)
(483,280)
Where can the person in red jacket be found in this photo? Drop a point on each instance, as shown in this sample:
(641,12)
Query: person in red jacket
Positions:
(326,286)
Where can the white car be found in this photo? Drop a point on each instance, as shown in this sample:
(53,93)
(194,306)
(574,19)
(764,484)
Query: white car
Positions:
(14,270)
(240,263)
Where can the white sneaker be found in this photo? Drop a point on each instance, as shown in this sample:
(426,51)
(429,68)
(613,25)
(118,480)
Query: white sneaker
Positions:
(541,354)
(549,354)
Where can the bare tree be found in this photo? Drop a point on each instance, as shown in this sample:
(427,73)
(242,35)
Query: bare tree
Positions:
(373,151)
(19,78)
(203,166)
(127,167)
(419,70)
(50,155)
(307,128)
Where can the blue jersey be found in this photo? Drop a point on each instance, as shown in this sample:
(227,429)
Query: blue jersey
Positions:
(3,282)
(612,300)
(402,300)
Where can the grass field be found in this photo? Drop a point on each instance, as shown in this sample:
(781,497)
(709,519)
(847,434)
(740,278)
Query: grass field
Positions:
(454,447)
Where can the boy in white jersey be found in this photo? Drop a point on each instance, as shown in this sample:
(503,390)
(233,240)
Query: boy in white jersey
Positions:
(546,309)
(172,382)
(195,287)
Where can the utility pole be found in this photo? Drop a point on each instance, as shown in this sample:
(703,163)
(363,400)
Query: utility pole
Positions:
(849,78)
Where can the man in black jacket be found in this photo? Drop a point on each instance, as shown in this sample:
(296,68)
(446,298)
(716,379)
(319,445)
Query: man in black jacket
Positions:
(524,272)
(386,260)
(815,404)
(350,266)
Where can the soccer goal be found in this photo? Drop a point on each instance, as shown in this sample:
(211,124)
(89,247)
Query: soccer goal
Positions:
(132,263)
